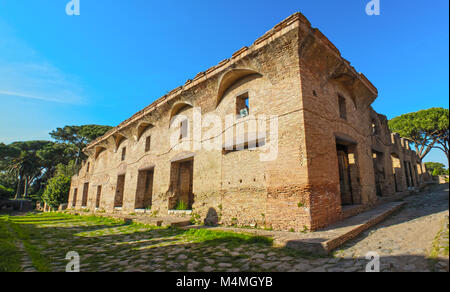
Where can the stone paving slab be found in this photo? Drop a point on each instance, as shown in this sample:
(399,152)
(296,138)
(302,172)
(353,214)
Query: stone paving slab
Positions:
(326,240)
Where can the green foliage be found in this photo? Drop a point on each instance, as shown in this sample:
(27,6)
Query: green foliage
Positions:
(426,128)
(8,179)
(440,248)
(23,162)
(79,136)
(181,206)
(57,191)
(23,158)
(6,193)
(436,168)
(37,195)
(10,255)
(154,213)
(305,229)
(56,153)
(27,166)
(195,219)
(68,170)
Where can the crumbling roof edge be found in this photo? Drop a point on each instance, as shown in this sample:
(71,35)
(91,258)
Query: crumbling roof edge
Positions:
(286,25)
(202,76)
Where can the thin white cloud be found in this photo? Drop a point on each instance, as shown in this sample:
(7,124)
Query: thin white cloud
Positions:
(24,74)
(24,95)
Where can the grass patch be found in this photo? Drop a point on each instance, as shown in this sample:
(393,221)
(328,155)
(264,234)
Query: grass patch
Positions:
(230,238)
(441,243)
(181,206)
(440,246)
(39,262)
(10,255)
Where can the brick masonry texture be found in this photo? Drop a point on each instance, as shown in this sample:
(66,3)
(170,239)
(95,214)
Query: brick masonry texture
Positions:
(293,72)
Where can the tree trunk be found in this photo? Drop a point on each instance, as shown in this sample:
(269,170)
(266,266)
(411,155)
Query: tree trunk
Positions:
(25,191)
(18,191)
(78,157)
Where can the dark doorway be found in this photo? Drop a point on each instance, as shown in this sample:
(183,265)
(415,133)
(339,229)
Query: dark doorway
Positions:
(378,168)
(412,175)
(396,169)
(85,195)
(99,195)
(182,185)
(407,176)
(344,175)
(144,192)
(74,200)
(349,178)
(118,200)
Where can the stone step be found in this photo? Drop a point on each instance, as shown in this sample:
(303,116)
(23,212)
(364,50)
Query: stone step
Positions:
(324,241)
(327,240)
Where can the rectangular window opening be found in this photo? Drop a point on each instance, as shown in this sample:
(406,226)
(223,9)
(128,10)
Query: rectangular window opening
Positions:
(184,129)
(247,146)
(124,153)
(342,108)
(148,142)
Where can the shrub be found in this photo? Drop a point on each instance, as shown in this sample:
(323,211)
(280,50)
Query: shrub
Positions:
(36,197)
(436,168)
(5,192)
(181,205)
(57,191)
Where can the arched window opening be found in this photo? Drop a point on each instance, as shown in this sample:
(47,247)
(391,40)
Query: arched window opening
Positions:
(242,105)
(231,77)
(374,128)
(142,129)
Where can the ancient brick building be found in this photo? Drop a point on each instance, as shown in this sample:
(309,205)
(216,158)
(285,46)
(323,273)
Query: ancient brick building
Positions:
(335,154)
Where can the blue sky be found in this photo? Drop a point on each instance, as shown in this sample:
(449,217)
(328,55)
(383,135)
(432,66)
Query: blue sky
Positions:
(119,56)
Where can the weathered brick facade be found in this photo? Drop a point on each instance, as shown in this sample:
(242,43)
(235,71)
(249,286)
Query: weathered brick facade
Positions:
(333,149)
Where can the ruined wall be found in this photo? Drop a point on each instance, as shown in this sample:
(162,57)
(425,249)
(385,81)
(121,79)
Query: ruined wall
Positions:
(326,77)
(292,72)
(238,186)
(337,110)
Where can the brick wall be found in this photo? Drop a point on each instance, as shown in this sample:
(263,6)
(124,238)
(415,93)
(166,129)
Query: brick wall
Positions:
(292,72)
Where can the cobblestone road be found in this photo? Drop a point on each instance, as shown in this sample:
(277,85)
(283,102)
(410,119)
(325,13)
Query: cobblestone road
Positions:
(404,242)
